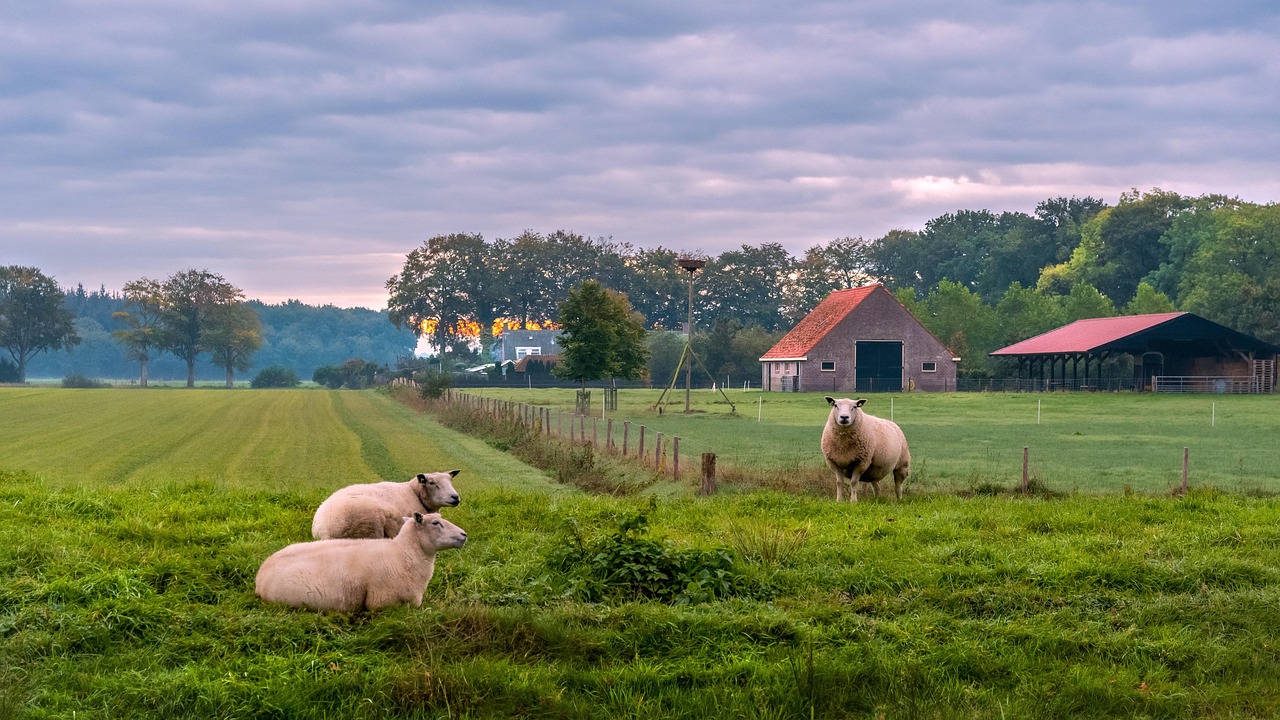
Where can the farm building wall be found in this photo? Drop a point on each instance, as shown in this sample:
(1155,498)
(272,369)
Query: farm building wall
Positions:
(879,317)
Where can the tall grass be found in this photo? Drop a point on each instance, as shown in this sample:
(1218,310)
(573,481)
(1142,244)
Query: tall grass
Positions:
(134,599)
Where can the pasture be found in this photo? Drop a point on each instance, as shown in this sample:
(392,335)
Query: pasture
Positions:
(1078,442)
(132,523)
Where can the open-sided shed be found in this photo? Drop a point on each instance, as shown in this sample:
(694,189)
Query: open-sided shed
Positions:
(1172,352)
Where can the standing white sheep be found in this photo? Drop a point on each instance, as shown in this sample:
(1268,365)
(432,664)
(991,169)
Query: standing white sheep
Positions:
(377,510)
(347,575)
(863,448)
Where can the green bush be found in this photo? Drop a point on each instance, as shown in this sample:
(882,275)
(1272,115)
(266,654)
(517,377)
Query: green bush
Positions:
(276,376)
(76,380)
(433,384)
(624,565)
(329,376)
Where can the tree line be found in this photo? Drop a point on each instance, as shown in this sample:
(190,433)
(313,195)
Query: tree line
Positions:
(191,325)
(979,280)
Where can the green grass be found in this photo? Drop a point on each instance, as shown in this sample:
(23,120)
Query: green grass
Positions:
(131,595)
(1090,443)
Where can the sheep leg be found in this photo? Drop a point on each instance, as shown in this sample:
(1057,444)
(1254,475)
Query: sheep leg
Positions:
(899,479)
(854,482)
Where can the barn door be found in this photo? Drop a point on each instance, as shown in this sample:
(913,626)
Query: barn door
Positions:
(877,366)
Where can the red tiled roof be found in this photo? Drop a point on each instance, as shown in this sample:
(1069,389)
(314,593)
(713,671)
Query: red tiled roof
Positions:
(797,343)
(1085,335)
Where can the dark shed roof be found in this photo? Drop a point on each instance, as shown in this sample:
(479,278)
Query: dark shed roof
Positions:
(1139,334)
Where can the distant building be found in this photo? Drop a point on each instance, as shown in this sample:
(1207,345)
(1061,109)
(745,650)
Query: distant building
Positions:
(517,344)
(859,340)
(1172,352)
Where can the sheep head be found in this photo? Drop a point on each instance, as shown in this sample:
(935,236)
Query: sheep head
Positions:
(844,412)
(435,490)
(434,532)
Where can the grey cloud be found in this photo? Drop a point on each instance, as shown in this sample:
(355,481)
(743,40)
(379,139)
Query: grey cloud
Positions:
(309,144)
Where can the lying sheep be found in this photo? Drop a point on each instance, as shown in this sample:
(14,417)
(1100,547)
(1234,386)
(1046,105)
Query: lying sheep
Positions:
(863,448)
(377,510)
(347,575)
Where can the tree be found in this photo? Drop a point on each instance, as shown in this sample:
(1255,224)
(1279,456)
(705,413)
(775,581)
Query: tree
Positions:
(659,288)
(601,336)
(232,334)
(445,291)
(967,326)
(746,284)
(1025,313)
(1086,302)
(145,302)
(33,316)
(840,264)
(1230,273)
(190,298)
(1148,300)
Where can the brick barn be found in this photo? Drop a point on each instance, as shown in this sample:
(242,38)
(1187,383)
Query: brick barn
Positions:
(859,340)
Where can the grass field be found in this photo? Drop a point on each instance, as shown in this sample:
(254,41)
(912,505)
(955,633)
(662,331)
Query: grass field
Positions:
(1077,442)
(132,524)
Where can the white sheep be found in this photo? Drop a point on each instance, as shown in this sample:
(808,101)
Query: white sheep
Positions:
(347,575)
(377,510)
(863,448)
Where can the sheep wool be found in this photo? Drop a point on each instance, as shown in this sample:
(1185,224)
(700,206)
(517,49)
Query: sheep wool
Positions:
(377,510)
(860,447)
(346,575)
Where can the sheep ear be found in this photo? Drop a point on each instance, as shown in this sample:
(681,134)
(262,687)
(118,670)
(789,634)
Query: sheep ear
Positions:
(831,400)
(422,478)
(454,473)
(859,402)
(417,517)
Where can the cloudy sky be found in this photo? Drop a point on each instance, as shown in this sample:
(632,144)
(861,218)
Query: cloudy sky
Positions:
(301,148)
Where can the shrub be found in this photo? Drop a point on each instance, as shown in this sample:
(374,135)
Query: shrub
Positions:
(330,376)
(76,380)
(276,376)
(624,565)
(433,384)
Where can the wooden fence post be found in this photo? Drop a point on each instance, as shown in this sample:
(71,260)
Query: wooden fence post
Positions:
(1025,455)
(640,452)
(708,473)
(675,458)
(657,453)
(608,435)
(626,431)
(1186,463)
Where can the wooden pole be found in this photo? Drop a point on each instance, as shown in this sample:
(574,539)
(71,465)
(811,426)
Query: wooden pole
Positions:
(657,453)
(626,433)
(640,453)
(1026,452)
(608,434)
(708,473)
(1186,465)
(675,458)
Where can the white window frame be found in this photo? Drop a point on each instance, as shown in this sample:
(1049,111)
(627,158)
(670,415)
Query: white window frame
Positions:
(925,366)
(822,366)
(523,351)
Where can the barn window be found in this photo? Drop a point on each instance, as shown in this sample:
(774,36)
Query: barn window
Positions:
(828,366)
(929,367)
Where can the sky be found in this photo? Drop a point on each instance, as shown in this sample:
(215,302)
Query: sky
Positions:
(302,148)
